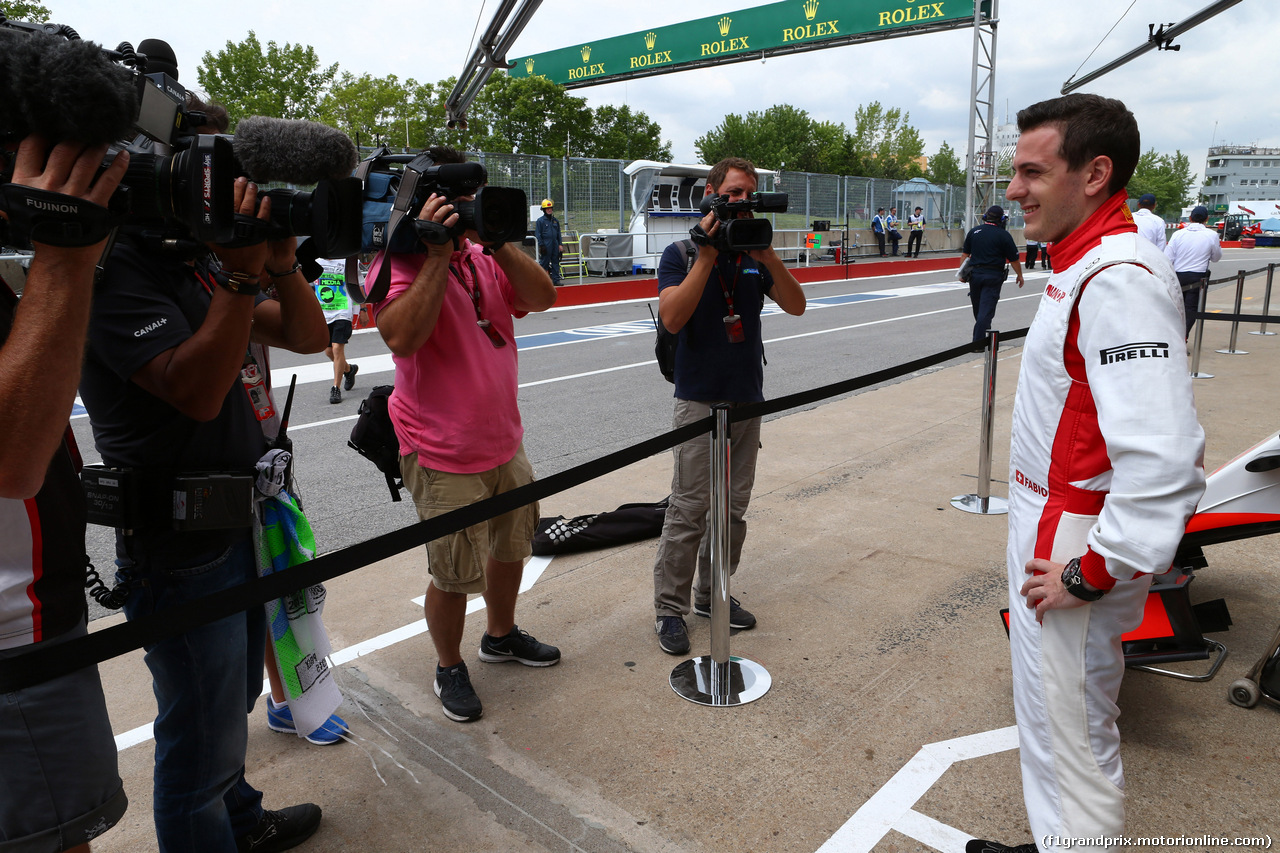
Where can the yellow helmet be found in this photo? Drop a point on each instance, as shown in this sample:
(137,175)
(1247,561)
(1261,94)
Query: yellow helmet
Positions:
(546,202)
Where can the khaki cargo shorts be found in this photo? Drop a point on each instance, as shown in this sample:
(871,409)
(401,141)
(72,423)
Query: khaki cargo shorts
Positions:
(457,561)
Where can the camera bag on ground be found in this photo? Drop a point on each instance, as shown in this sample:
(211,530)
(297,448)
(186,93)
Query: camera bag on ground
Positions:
(374,437)
(627,523)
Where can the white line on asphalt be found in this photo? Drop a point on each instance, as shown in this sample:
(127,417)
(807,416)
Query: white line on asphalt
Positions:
(532,571)
(892,807)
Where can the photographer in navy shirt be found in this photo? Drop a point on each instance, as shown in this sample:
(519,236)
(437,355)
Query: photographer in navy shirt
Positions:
(713,306)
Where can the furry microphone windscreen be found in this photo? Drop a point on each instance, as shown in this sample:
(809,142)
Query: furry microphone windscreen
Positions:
(63,90)
(293,151)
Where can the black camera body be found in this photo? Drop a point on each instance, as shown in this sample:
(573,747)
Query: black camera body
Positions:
(739,235)
(497,214)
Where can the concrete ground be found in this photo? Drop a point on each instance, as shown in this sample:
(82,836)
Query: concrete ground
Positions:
(887,727)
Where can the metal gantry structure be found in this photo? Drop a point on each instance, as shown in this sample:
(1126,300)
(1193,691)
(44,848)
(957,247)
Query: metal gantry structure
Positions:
(983,170)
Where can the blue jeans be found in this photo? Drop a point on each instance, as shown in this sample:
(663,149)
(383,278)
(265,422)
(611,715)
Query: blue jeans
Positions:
(205,681)
(984,293)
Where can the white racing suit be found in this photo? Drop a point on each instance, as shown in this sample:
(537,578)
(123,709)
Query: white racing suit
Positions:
(1106,466)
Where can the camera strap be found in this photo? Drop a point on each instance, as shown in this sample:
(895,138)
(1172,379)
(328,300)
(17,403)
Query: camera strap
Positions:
(725,288)
(55,219)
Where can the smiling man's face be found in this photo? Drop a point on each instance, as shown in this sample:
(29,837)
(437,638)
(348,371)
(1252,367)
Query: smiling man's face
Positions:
(1053,198)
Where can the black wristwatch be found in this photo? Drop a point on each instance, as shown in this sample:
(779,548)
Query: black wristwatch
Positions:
(1074,582)
(243,283)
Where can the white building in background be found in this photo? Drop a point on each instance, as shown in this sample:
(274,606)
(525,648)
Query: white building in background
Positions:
(1236,173)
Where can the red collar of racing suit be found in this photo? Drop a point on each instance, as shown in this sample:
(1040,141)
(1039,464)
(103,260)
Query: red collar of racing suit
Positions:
(1113,217)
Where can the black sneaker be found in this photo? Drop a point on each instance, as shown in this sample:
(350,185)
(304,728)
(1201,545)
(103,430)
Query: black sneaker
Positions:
(518,646)
(739,616)
(282,830)
(453,686)
(349,377)
(979,846)
(673,636)
(335,395)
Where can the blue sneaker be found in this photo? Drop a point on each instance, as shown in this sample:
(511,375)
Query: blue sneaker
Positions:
(280,719)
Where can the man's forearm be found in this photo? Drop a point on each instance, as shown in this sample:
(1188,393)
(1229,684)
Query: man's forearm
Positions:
(407,323)
(531,285)
(40,365)
(295,321)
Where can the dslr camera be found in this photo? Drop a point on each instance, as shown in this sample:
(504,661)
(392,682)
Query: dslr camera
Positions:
(734,234)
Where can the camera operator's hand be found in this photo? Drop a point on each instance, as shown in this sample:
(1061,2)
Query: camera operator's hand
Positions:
(40,360)
(438,209)
(245,259)
(69,169)
(710,224)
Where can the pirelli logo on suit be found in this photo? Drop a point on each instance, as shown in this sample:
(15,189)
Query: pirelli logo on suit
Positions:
(1130,352)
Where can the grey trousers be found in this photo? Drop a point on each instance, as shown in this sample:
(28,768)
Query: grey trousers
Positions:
(684,544)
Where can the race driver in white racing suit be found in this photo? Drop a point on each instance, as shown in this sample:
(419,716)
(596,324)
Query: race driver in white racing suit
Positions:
(1105,464)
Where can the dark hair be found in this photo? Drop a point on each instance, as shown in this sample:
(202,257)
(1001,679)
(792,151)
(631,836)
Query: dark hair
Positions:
(720,170)
(215,114)
(1091,126)
(443,154)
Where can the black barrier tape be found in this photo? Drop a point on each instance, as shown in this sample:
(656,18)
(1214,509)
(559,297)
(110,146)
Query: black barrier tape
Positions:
(42,664)
(1243,318)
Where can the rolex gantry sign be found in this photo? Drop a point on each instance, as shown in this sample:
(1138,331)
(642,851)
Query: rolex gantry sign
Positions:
(740,35)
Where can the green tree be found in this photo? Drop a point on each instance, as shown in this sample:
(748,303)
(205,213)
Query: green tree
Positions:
(945,168)
(621,134)
(1168,177)
(781,136)
(20,10)
(529,115)
(887,145)
(282,82)
(372,110)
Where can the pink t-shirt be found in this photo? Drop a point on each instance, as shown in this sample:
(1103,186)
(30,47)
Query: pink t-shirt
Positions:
(455,398)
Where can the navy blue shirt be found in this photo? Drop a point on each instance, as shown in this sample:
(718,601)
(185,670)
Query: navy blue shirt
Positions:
(708,367)
(990,246)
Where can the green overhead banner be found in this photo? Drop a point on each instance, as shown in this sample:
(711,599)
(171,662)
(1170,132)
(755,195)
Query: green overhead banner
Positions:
(789,26)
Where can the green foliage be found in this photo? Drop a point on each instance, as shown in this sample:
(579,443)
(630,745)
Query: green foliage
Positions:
(528,115)
(620,134)
(945,168)
(282,82)
(20,10)
(371,110)
(1168,177)
(883,143)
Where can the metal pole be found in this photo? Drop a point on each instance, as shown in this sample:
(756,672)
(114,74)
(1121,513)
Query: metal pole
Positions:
(1266,303)
(1195,349)
(1235,324)
(719,679)
(982,503)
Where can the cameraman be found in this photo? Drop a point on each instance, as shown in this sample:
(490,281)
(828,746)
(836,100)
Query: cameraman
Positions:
(58,770)
(447,319)
(174,382)
(714,307)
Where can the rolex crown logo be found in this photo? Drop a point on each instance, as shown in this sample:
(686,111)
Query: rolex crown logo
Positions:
(528,66)
(724,23)
(810,9)
(650,39)
(586,53)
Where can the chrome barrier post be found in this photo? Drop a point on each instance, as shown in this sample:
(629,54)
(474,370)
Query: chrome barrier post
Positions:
(1235,324)
(719,679)
(983,503)
(1195,349)
(1266,303)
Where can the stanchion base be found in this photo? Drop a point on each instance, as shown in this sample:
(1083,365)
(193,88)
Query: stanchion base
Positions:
(973,504)
(747,681)
(1202,376)
(1262,333)
(1232,351)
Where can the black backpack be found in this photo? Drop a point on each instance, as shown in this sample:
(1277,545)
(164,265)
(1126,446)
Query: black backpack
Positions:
(374,437)
(664,348)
